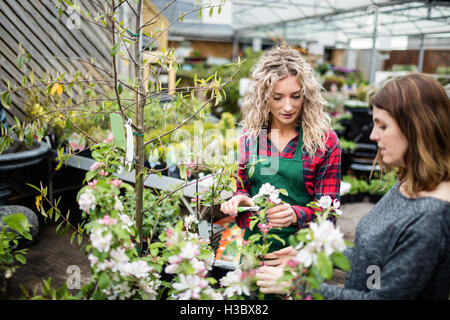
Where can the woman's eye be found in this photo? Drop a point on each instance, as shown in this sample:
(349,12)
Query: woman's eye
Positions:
(295,97)
(276,98)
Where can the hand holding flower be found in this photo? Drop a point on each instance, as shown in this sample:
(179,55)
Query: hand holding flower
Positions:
(280,257)
(282,215)
(267,280)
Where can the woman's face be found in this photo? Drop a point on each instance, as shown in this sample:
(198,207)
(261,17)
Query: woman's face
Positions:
(286,101)
(392,144)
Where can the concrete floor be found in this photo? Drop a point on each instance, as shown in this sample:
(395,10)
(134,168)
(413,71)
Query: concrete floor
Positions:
(51,256)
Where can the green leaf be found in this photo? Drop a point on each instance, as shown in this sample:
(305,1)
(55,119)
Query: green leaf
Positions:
(324,265)
(114,49)
(5,99)
(252,224)
(103,281)
(183,173)
(17,222)
(120,88)
(274,236)
(283,192)
(340,261)
(21,258)
(251,171)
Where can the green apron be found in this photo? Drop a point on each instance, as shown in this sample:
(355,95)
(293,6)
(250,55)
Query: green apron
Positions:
(288,176)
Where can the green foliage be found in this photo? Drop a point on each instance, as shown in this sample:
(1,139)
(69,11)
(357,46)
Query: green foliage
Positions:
(347,145)
(163,214)
(44,291)
(379,186)
(12,229)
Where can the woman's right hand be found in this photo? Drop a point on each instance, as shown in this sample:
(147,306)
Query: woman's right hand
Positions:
(230,207)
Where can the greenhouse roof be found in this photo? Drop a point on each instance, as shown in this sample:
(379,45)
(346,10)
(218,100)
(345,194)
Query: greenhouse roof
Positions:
(311,20)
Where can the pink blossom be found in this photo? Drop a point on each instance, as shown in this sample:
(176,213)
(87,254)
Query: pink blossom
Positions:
(95,166)
(292,263)
(264,228)
(116,182)
(109,139)
(93,183)
(107,220)
(103,173)
(74,145)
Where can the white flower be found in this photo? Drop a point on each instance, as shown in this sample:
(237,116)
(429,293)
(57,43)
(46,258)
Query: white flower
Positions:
(189,251)
(209,261)
(189,220)
(171,268)
(212,294)
(118,204)
(274,197)
(93,259)
(232,280)
(119,257)
(266,189)
(150,287)
(87,200)
(336,204)
(307,255)
(126,221)
(107,264)
(325,202)
(138,269)
(327,237)
(100,242)
(199,267)
(190,286)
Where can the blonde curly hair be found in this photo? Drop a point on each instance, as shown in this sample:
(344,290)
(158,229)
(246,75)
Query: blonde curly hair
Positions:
(276,64)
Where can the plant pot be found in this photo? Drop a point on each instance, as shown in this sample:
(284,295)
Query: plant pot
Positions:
(18,160)
(344,198)
(374,198)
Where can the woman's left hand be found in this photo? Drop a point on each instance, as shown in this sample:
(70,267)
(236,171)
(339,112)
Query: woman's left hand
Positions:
(267,280)
(282,215)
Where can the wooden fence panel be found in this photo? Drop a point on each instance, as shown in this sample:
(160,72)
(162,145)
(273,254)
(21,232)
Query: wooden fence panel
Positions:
(56,45)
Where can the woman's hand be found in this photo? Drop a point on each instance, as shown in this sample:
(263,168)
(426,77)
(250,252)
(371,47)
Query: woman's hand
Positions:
(231,206)
(267,280)
(280,258)
(282,215)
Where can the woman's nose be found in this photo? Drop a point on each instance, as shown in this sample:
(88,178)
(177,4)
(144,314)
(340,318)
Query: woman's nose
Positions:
(373,135)
(288,104)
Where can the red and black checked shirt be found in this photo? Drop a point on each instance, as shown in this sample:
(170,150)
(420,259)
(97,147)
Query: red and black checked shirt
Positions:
(321,173)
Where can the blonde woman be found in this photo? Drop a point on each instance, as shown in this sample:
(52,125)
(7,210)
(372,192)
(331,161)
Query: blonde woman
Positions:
(402,246)
(285,125)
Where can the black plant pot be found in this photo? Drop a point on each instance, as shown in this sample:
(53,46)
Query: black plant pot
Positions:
(18,160)
(374,198)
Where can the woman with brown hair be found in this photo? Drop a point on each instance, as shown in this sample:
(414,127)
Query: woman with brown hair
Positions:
(405,238)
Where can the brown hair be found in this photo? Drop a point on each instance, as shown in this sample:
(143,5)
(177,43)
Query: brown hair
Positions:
(421,108)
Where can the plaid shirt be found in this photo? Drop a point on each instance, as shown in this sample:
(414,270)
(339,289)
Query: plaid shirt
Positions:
(321,172)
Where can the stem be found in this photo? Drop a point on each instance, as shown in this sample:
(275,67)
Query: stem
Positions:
(140,103)
(114,67)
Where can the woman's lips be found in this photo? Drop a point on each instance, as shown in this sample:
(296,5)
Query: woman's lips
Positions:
(287,115)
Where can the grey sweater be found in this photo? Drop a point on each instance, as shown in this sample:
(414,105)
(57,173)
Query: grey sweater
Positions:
(401,251)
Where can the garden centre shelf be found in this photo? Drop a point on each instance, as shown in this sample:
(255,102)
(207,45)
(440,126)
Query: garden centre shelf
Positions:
(152,181)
